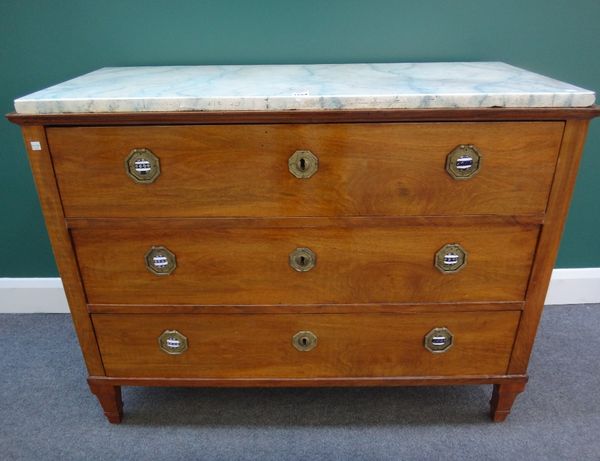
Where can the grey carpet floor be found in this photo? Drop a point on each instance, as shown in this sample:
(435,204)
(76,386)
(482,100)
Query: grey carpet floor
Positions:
(47,412)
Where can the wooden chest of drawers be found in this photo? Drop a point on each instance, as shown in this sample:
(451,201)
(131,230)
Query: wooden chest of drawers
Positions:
(377,246)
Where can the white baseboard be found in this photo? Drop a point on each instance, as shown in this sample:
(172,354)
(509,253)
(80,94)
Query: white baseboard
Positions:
(46,295)
(32,295)
(574,286)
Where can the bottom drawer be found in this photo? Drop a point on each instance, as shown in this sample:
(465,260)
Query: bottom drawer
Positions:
(271,345)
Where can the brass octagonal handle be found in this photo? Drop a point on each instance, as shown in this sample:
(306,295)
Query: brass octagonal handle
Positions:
(303,164)
(450,258)
(142,166)
(439,340)
(302,259)
(160,260)
(172,342)
(463,162)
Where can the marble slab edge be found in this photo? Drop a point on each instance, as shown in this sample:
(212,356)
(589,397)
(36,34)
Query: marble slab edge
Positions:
(462,85)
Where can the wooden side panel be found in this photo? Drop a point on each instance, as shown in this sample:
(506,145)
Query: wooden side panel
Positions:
(364,169)
(547,249)
(41,165)
(249,265)
(260,346)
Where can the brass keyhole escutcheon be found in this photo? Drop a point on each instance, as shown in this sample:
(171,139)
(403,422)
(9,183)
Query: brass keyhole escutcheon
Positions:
(439,340)
(303,164)
(142,166)
(304,341)
(302,259)
(463,162)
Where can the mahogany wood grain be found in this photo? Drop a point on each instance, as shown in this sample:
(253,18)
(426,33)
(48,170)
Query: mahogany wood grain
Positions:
(110,400)
(301,309)
(547,248)
(260,346)
(364,169)
(43,174)
(381,381)
(503,397)
(303,116)
(354,265)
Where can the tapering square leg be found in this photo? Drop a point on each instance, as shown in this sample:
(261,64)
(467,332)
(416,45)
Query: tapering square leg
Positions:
(503,397)
(110,400)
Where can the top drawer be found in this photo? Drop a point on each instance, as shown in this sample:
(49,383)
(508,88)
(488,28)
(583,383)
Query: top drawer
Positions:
(363,169)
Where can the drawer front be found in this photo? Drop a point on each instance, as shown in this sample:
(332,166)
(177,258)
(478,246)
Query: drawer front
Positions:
(353,264)
(363,169)
(303,346)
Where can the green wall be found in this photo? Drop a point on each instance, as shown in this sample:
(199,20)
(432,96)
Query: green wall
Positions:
(46,42)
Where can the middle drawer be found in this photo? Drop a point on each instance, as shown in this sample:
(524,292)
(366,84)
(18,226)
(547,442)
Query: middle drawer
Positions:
(258,264)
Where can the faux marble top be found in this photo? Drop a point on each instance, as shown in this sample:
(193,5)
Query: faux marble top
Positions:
(304,87)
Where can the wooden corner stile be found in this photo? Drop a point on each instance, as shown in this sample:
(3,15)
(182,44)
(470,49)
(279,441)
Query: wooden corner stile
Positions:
(548,243)
(43,173)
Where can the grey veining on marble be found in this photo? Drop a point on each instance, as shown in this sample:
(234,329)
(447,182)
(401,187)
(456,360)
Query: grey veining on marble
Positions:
(304,87)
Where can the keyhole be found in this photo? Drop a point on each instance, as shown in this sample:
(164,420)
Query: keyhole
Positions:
(304,341)
(302,164)
(302,259)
